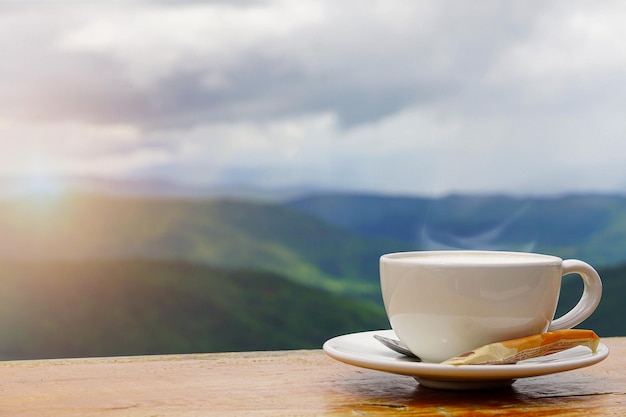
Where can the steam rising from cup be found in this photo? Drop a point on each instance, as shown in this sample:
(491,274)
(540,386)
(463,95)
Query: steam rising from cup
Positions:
(486,224)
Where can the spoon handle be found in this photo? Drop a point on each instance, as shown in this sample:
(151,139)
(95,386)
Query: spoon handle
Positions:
(395,345)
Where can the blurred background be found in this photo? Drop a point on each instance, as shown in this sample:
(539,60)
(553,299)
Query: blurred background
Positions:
(201,176)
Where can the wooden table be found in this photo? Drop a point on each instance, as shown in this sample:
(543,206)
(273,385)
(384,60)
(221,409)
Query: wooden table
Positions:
(289,383)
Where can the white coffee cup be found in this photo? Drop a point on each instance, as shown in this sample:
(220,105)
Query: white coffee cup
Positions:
(445,303)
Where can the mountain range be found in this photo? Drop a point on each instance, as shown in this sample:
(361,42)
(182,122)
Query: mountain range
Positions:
(222,233)
(123,256)
(589,227)
(53,309)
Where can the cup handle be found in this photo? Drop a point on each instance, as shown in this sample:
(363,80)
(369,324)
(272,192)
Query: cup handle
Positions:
(588,301)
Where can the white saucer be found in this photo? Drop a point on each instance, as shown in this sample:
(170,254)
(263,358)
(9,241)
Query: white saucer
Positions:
(361,349)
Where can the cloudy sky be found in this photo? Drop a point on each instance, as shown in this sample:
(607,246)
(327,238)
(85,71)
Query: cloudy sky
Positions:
(411,97)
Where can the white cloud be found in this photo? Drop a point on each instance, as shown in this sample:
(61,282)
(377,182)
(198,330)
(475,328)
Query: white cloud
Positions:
(575,40)
(398,96)
(154,42)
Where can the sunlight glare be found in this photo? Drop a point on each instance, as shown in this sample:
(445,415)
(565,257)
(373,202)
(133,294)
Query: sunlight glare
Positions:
(42,185)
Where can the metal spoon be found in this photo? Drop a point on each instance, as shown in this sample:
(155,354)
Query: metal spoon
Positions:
(396,346)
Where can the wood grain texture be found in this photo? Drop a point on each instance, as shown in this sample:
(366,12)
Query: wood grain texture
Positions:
(289,383)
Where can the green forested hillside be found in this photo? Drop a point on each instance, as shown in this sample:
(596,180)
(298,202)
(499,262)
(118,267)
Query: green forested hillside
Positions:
(103,308)
(222,233)
(87,275)
(107,308)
